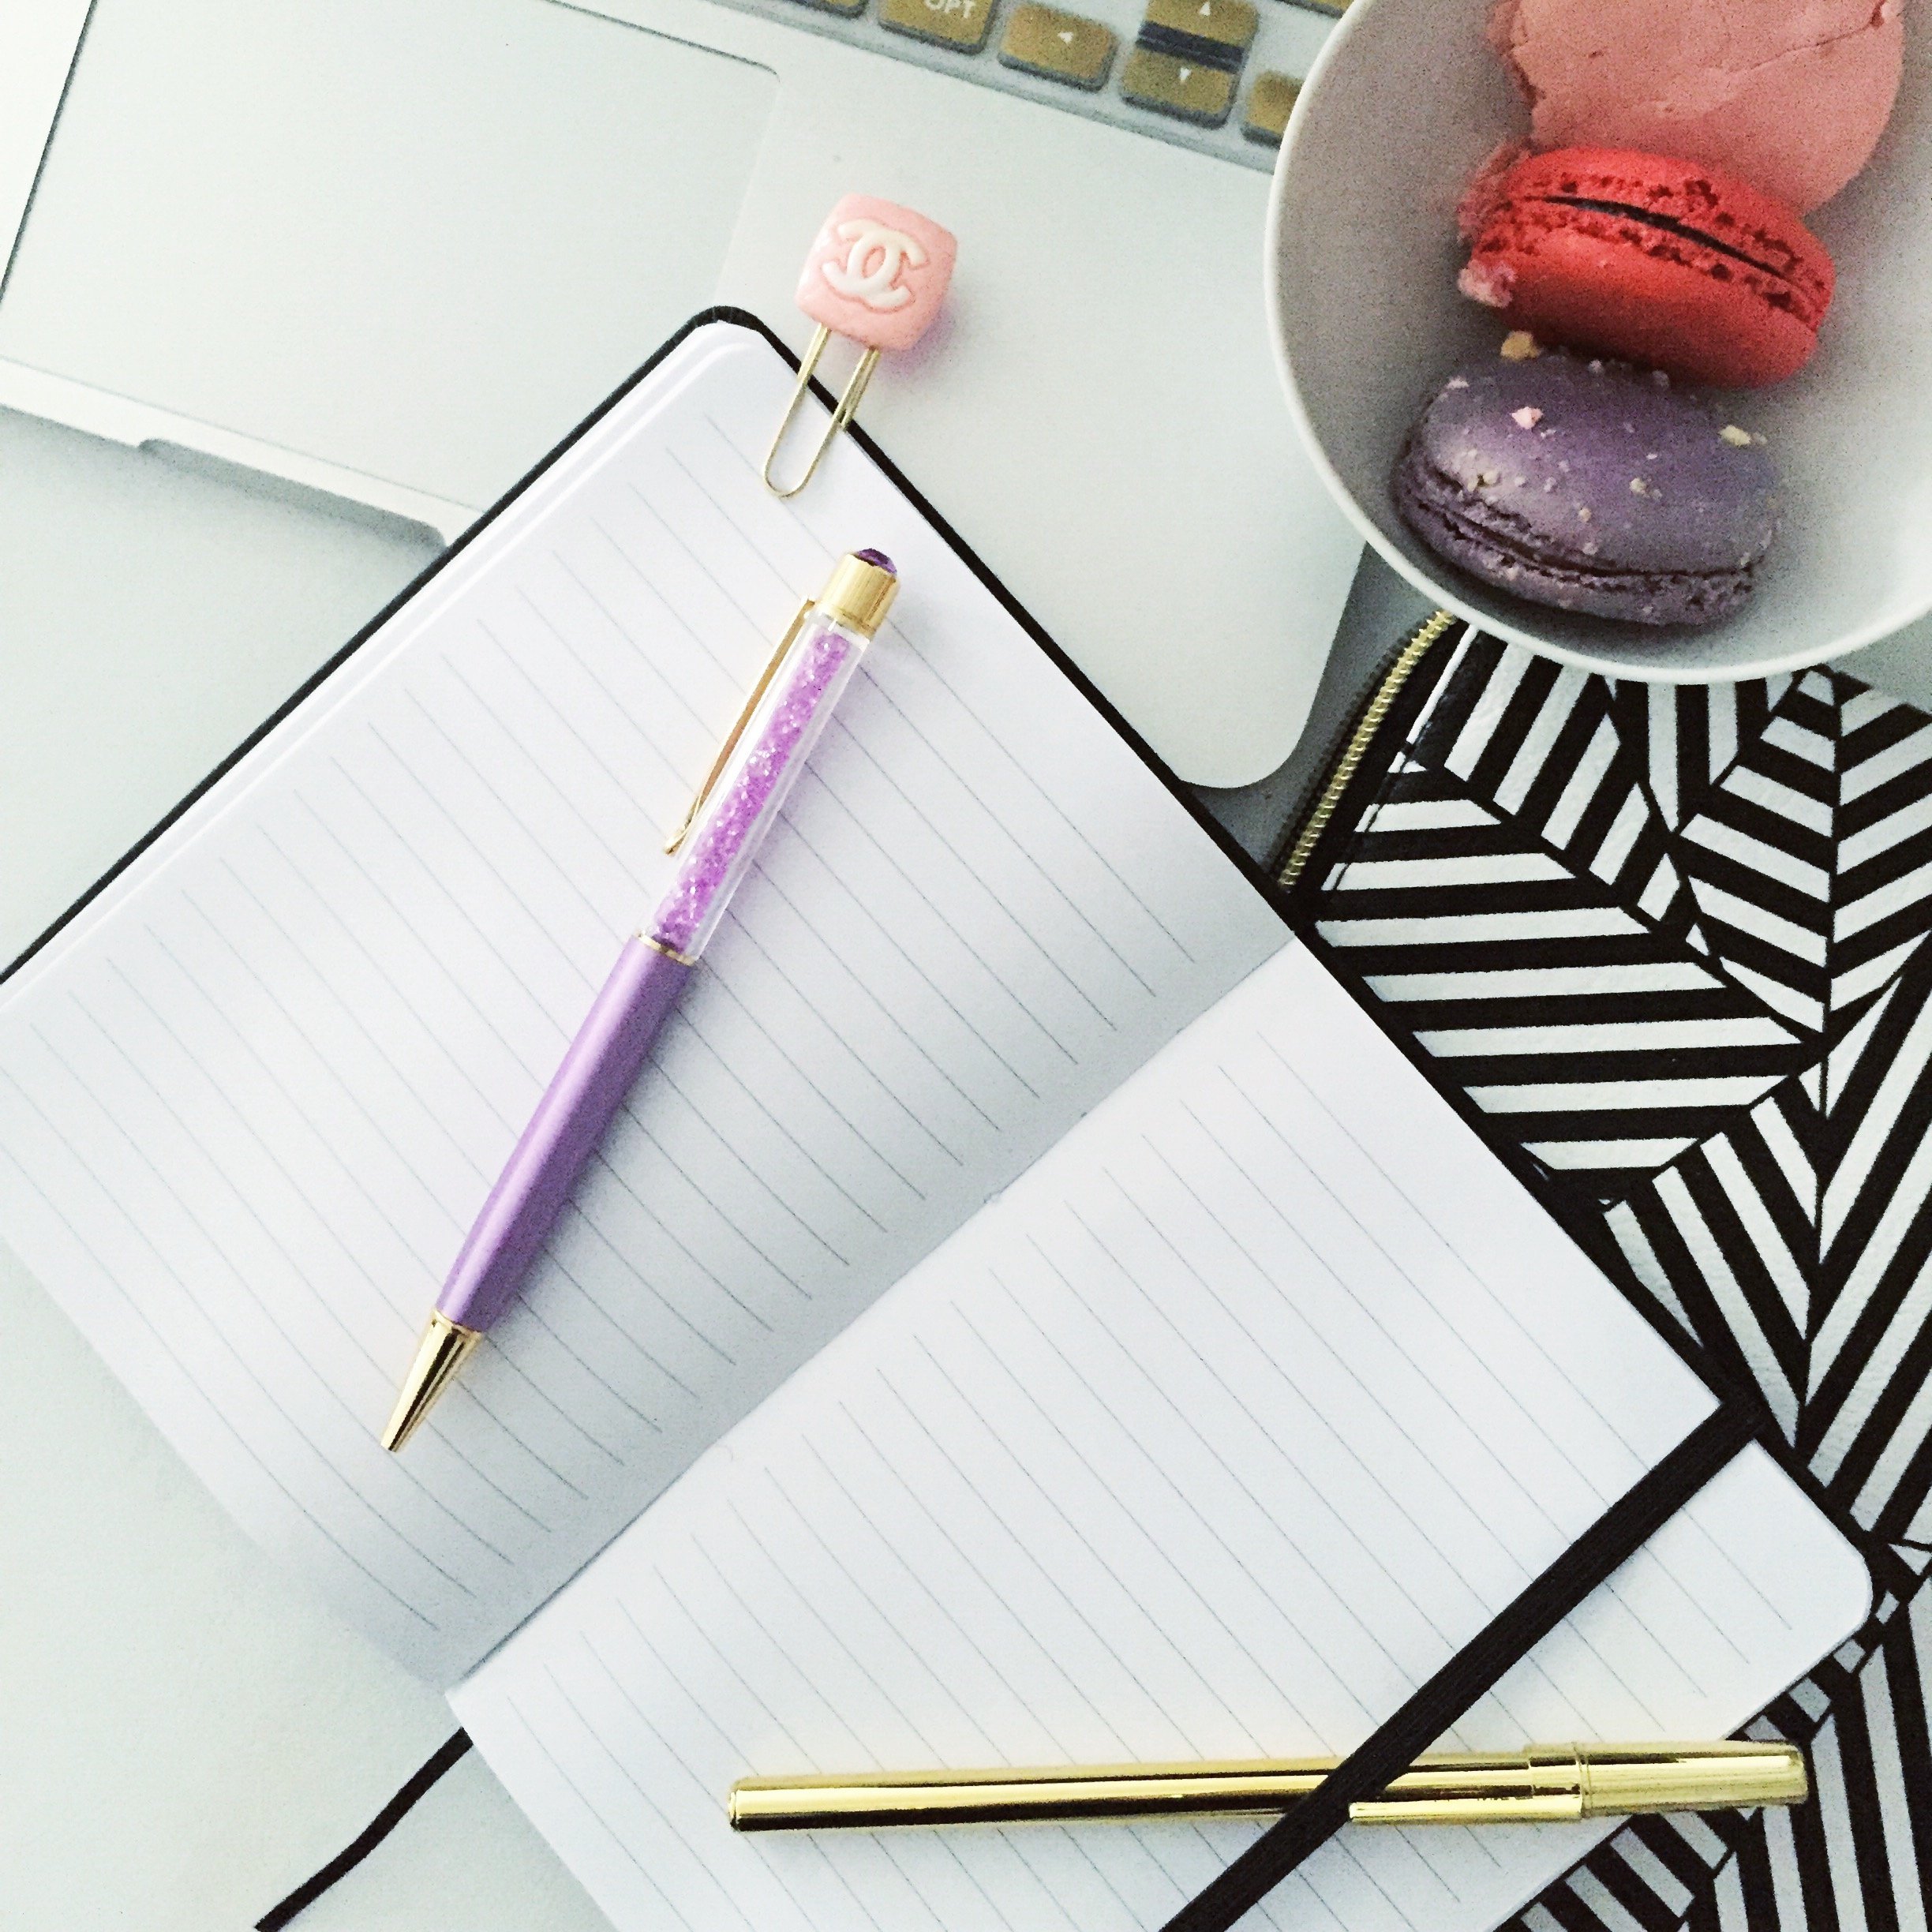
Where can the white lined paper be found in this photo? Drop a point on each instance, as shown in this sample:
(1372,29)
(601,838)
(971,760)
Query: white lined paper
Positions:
(1212,1438)
(249,1102)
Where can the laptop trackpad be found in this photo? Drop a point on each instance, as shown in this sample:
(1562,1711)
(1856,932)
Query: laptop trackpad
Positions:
(418,237)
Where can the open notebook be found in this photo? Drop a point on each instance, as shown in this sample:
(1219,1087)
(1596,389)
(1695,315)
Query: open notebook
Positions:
(1027,1313)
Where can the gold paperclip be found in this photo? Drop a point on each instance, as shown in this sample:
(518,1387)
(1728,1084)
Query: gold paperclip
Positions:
(737,730)
(847,407)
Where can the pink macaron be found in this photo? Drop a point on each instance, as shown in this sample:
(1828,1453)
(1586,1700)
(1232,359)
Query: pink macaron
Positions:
(1652,259)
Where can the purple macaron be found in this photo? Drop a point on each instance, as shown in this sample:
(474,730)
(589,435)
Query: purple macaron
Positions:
(1591,486)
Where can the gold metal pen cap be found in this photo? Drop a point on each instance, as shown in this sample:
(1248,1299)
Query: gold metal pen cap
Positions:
(1559,1783)
(860,591)
(1618,1780)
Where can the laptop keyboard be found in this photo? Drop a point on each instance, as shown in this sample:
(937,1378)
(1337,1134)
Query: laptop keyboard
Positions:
(1218,75)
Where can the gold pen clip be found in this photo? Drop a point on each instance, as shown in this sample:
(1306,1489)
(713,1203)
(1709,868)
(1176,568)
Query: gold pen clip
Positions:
(730,745)
(857,596)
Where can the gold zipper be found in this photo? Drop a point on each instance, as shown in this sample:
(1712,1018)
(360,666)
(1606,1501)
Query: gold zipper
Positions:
(1328,800)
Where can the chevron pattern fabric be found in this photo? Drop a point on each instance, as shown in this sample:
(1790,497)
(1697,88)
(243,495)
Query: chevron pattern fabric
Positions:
(1671,943)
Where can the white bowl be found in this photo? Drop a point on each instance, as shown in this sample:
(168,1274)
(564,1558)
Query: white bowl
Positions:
(1405,100)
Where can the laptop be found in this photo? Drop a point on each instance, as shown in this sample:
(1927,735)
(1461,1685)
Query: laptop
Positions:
(378,256)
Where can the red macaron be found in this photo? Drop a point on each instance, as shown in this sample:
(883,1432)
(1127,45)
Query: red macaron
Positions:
(1654,259)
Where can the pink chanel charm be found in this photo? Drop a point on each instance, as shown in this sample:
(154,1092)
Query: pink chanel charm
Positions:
(877,275)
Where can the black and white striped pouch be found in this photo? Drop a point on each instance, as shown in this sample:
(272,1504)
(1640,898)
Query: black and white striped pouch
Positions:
(1670,944)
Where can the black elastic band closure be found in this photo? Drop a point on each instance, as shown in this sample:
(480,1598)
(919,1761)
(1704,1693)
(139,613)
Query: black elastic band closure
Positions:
(379,1828)
(1612,1540)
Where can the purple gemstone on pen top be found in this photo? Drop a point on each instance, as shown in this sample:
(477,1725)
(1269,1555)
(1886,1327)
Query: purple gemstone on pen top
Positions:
(877,559)
(707,868)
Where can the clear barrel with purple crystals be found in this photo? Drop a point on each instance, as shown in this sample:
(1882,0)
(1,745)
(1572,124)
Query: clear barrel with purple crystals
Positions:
(754,787)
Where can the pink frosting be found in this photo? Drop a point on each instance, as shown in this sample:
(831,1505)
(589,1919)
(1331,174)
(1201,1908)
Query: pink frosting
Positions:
(1792,95)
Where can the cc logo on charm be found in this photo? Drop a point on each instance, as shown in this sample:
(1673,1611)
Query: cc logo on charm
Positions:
(874,263)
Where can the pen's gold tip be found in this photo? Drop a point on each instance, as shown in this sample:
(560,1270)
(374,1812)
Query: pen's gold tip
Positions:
(439,1355)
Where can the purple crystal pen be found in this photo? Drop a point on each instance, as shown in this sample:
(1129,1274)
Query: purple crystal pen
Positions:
(735,808)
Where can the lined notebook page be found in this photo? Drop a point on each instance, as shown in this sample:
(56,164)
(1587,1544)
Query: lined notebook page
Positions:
(1215,1438)
(250,1104)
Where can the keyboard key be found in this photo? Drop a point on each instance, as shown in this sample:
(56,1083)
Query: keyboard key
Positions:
(961,24)
(1185,89)
(1229,24)
(850,9)
(1271,100)
(1063,46)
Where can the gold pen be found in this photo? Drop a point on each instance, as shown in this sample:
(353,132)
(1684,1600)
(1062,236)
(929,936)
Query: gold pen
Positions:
(1541,1784)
